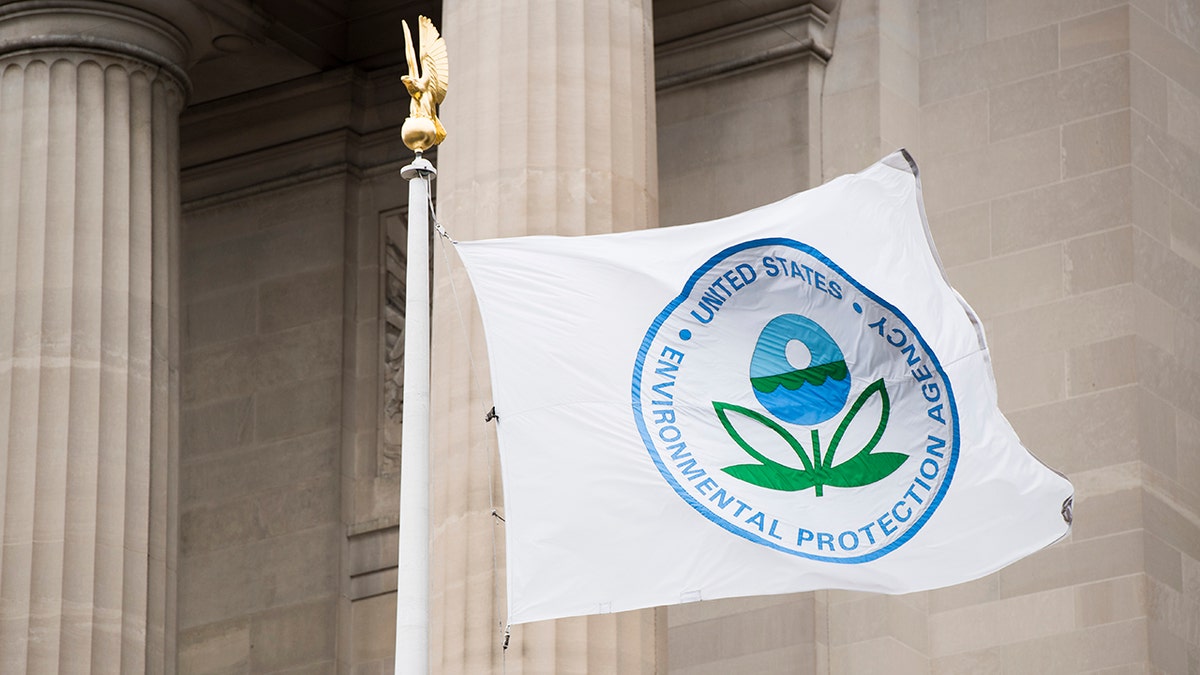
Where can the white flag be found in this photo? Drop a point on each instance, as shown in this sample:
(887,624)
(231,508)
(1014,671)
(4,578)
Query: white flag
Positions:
(788,399)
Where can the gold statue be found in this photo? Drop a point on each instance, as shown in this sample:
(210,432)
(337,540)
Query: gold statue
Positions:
(423,130)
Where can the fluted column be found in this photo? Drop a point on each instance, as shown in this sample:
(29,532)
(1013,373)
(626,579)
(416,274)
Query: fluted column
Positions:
(550,118)
(89,98)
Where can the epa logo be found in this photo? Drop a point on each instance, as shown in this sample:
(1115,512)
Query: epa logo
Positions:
(807,395)
(792,406)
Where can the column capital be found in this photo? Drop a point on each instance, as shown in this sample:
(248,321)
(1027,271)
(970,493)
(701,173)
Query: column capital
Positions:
(153,37)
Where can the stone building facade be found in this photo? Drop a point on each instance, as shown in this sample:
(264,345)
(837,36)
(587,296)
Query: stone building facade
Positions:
(201,297)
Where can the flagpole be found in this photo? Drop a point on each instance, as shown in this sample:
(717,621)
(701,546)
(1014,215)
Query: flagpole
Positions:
(412,583)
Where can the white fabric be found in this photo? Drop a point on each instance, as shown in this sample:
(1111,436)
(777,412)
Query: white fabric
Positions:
(619,489)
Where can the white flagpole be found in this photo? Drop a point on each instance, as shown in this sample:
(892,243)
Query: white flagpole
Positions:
(412,583)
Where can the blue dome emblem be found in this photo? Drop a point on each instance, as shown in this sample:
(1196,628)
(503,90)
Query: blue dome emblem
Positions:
(808,395)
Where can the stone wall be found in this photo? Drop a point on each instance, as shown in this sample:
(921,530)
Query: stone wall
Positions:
(288,493)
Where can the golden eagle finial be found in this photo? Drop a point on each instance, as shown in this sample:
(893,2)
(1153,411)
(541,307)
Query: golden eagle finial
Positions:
(423,130)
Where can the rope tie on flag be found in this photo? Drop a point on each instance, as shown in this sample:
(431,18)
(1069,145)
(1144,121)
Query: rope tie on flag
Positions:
(437,224)
(473,368)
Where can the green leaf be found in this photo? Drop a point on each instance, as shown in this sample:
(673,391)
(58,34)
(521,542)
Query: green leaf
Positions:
(876,387)
(771,476)
(723,410)
(864,469)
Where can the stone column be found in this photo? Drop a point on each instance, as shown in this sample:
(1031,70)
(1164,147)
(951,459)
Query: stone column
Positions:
(550,118)
(89,98)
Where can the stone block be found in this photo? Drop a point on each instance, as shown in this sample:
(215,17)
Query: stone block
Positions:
(989,64)
(1110,601)
(1106,514)
(1185,230)
(766,628)
(217,427)
(1164,50)
(293,248)
(1171,524)
(783,661)
(225,525)
(373,550)
(374,621)
(1002,622)
(219,266)
(850,131)
(1061,211)
(1096,144)
(1148,91)
(1168,652)
(1174,164)
(1162,374)
(222,647)
(300,299)
(688,198)
(217,372)
(1083,650)
(1099,260)
(1151,206)
(909,622)
(1187,433)
(293,636)
(962,236)
(899,123)
(1167,275)
(373,584)
(981,662)
(856,66)
(1164,562)
(304,352)
(1012,282)
(1155,319)
(221,317)
(1093,36)
(1029,379)
(270,513)
(954,125)
(1013,165)
(709,610)
(951,26)
(1108,479)
(899,68)
(1016,16)
(1067,564)
(881,655)
(1156,429)
(299,507)
(263,574)
(976,592)
(1183,116)
(1155,9)
(297,409)
(1083,432)
(1101,365)
(1191,579)
(900,22)
(858,621)
(228,476)
(1183,19)
(1059,97)
(1071,322)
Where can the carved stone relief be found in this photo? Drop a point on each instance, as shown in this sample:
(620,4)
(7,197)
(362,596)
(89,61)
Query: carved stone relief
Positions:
(393,382)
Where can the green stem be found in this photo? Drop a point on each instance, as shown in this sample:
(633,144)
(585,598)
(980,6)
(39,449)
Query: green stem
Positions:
(816,443)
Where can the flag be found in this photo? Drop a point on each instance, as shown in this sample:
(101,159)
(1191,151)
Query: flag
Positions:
(788,399)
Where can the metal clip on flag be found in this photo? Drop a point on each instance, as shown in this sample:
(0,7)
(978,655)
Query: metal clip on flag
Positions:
(787,399)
